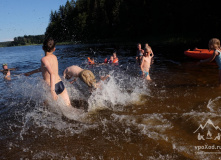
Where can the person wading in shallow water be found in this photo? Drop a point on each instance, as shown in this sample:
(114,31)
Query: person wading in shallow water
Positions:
(214,44)
(49,69)
(139,55)
(6,71)
(145,63)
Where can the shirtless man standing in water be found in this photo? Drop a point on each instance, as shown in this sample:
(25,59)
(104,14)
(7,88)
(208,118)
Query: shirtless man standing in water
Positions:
(146,62)
(49,69)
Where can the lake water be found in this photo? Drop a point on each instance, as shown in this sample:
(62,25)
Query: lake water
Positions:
(176,116)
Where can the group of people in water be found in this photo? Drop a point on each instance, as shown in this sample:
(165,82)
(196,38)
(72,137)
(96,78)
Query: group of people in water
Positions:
(49,68)
(113,60)
(144,59)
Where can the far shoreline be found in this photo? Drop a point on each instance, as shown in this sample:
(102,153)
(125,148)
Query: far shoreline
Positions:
(152,40)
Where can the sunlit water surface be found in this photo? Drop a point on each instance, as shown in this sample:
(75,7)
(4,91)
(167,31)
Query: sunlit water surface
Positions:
(127,118)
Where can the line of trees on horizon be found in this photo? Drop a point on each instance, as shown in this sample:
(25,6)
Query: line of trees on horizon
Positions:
(106,19)
(28,39)
(24,40)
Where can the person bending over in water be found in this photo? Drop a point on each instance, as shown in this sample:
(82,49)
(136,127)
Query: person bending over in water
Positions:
(6,71)
(214,44)
(145,63)
(85,75)
(49,69)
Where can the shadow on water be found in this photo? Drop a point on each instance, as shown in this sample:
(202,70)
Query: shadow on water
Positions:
(127,118)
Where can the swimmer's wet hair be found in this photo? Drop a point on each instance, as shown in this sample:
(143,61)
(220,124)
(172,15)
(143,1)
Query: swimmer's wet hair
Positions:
(214,43)
(48,44)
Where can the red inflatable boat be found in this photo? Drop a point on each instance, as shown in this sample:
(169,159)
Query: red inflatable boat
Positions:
(199,53)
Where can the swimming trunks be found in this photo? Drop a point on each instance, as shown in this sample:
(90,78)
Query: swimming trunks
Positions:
(218,59)
(145,73)
(88,77)
(59,87)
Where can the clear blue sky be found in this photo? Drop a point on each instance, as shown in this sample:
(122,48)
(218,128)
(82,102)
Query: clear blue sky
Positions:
(25,17)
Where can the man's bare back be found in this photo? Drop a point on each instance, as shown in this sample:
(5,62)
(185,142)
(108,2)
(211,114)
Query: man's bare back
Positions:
(72,71)
(49,69)
(50,61)
(85,75)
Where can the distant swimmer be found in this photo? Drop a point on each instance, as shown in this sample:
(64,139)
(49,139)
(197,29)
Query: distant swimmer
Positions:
(139,54)
(85,75)
(115,59)
(214,44)
(90,61)
(146,45)
(49,69)
(111,60)
(145,63)
(6,71)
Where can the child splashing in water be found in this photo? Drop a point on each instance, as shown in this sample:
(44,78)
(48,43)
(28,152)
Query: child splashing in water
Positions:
(145,63)
(85,75)
(214,44)
(6,71)
(151,51)
(49,69)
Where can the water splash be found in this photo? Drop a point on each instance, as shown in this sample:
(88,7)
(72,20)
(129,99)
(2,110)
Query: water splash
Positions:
(120,90)
(214,105)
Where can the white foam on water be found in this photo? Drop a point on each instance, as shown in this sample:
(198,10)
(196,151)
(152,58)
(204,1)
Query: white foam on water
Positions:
(52,155)
(212,111)
(31,95)
(151,125)
(117,91)
(164,157)
(214,105)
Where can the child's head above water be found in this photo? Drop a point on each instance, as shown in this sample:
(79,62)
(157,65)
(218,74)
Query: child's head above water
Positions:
(139,45)
(49,44)
(146,45)
(147,51)
(214,43)
(4,66)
